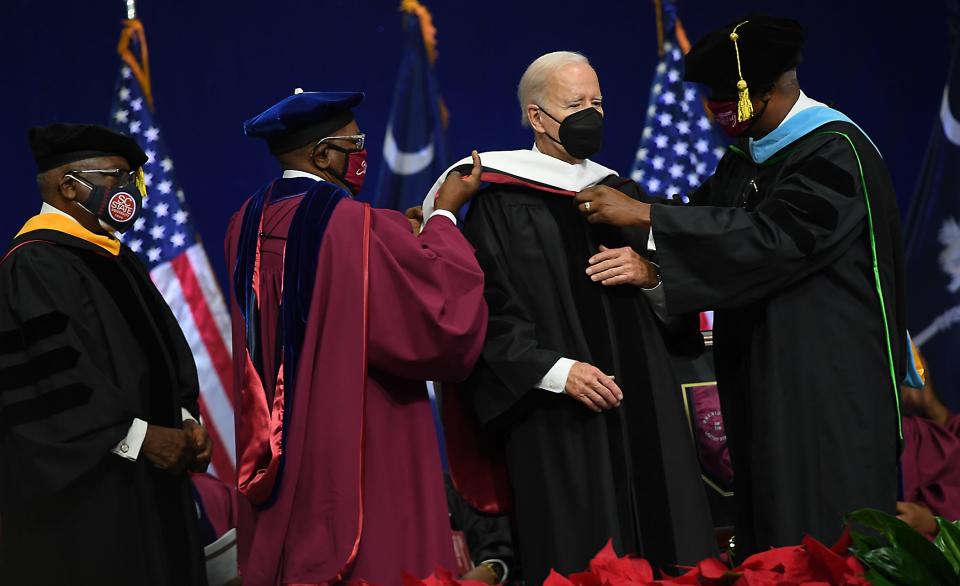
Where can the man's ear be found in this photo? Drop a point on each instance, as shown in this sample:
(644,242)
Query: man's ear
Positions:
(69,189)
(533,116)
(321,156)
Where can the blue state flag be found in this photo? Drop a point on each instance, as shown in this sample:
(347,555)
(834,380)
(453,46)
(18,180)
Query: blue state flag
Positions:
(680,147)
(933,247)
(414,149)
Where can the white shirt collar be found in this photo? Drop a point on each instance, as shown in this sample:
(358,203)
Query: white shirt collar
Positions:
(803,103)
(49,209)
(294,174)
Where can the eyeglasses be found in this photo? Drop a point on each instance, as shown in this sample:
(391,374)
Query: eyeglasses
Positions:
(358,140)
(122,176)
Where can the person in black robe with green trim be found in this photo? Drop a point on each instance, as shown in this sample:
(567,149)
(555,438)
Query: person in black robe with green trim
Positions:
(795,242)
(575,376)
(98,387)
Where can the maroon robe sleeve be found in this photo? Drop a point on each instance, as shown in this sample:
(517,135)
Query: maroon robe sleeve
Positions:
(931,466)
(427,310)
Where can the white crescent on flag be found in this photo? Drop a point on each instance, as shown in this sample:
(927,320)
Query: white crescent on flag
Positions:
(951,127)
(404,163)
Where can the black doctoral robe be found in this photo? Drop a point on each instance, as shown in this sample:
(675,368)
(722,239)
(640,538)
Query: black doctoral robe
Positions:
(580,478)
(86,345)
(782,251)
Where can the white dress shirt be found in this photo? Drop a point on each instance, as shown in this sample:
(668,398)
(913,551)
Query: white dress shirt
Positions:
(129,447)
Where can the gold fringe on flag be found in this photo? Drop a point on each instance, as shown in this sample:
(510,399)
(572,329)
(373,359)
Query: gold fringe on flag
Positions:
(426,25)
(139,65)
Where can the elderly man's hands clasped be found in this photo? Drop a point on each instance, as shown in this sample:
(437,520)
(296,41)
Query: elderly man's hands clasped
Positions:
(174,450)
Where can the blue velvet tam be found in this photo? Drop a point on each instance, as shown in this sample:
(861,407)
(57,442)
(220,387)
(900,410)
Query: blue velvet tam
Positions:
(302,118)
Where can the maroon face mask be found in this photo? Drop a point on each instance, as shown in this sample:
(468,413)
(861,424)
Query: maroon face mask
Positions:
(356,172)
(725,114)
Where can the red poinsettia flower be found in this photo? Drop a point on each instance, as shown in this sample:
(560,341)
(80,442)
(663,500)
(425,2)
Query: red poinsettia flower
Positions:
(612,570)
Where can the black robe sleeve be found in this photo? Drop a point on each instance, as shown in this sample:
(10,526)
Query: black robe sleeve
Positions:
(59,411)
(722,257)
(511,353)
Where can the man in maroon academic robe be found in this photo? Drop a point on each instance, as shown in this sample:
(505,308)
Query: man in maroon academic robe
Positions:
(339,315)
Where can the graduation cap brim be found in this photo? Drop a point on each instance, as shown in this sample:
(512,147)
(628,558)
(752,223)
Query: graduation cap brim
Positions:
(768,47)
(55,145)
(302,118)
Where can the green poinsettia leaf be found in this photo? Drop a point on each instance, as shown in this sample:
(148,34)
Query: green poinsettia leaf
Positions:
(948,541)
(906,540)
(877,579)
(864,543)
(901,568)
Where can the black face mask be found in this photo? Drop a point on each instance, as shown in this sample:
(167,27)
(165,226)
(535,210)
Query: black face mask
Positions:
(581,133)
(118,207)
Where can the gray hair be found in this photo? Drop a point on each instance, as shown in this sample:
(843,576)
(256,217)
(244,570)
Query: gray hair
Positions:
(534,80)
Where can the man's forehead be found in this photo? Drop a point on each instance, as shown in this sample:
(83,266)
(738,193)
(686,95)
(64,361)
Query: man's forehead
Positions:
(574,79)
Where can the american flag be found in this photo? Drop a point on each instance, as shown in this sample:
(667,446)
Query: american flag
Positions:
(166,241)
(680,147)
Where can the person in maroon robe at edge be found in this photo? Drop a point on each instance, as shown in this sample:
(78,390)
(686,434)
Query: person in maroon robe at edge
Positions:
(930,461)
(339,314)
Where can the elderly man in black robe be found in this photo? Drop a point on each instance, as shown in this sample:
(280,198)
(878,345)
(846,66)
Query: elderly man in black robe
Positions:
(98,388)
(575,374)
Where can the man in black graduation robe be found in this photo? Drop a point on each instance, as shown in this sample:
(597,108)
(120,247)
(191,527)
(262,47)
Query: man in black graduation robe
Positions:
(583,468)
(795,241)
(96,379)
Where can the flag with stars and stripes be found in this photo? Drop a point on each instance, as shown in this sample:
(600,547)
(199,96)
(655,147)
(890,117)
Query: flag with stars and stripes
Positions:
(680,147)
(166,240)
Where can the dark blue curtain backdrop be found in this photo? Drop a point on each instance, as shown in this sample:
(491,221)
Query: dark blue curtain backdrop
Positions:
(215,63)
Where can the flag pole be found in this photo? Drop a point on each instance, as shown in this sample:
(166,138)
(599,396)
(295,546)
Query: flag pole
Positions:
(131,9)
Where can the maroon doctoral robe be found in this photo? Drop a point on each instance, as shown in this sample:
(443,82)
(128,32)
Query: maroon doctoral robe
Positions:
(359,494)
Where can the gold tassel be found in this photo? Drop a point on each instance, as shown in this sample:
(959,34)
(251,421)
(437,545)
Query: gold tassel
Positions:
(141,182)
(744,105)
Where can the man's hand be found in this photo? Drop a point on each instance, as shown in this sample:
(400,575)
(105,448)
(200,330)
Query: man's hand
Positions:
(415,217)
(481,574)
(917,516)
(201,443)
(457,190)
(168,448)
(588,384)
(621,266)
(605,205)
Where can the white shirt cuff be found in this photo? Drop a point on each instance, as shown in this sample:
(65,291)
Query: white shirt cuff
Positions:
(658,300)
(445,213)
(129,447)
(555,380)
(651,245)
(503,567)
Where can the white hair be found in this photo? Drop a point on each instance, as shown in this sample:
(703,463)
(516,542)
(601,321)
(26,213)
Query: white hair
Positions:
(534,80)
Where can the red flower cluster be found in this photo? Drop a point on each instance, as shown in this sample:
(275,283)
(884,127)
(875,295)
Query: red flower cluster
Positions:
(809,564)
